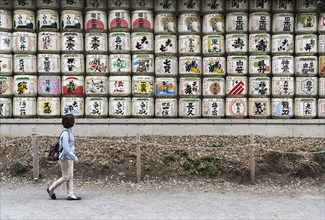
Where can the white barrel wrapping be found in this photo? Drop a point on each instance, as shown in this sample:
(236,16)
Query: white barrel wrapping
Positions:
(142,42)
(306,86)
(6,42)
(119,42)
(259,43)
(259,65)
(236,22)
(143,4)
(283,87)
(49,85)
(214,66)
(236,5)
(49,63)
(143,85)
(143,107)
(49,42)
(283,23)
(143,64)
(25,85)
(48,107)
(213,45)
(72,42)
(24,20)
(96,43)
(165,44)
(306,22)
(6,20)
(258,5)
(24,107)
(25,64)
(165,23)
(95,5)
(119,20)
(237,65)
(283,6)
(166,108)
(321,87)
(73,105)
(236,86)
(53,4)
(305,107)
(189,23)
(119,63)
(6,64)
(259,86)
(213,108)
(120,107)
(213,87)
(119,85)
(259,107)
(97,64)
(5,107)
(236,107)
(72,5)
(73,85)
(24,42)
(96,21)
(6,86)
(47,20)
(71,20)
(118,4)
(321,108)
(142,20)
(259,22)
(165,87)
(213,24)
(236,43)
(212,6)
(189,45)
(306,66)
(190,87)
(166,66)
(72,64)
(190,65)
(282,44)
(96,85)
(96,107)
(283,65)
(189,108)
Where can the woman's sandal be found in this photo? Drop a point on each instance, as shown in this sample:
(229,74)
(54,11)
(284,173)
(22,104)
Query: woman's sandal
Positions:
(53,194)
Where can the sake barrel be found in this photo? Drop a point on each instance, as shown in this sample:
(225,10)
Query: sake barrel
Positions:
(259,87)
(47,20)
(190,65)
(24,20)
(25,64)
(143,107)
(321,87)
(213,108)
(165,87)
(142,42)
(189,23)
(213,87)
(236,107)
(118,4)
(237,65)
(259,22)
(211,6)
(96,43)
(49,63)
(5,108)
(49,42)
(95,5)
(321,108)
(282,44)
(6,20)
(303,5)
(24,42)
(53,4)
(72,64)
(189,6)
(73,105)
(71,20)
(189,45)
(25,85)
(283,87)
(166,44)
(119,85)
(72,42)
(97,64)
(73,85)
(259,107)
(214,66)
(143,85)
(283,65)
(322,66)
(259,43)
(6,42)
(321,23)
(306,22)
(283,6)
(120,107)
(143,4)
(6,66)
(236,86)
(305,108)
(96,21)
(6,86)
(213,45)
(259,65)
(306,65)
(321,44)
(49,85)
(166,66)
(96,107)
(142,20)
(189,108)
(119,42)
(236,44)
(26,4)
(306,86)
(96,85)
(143,64)
(48,107)
(165,6)
(213,24)
(24,107)
(166,108)
(236,5)
(119,20)
(260,5)
(306,44)
(236,22)
(283,23)
(6,4)
(119,63)
(190,86)
(72,5)
(165,23)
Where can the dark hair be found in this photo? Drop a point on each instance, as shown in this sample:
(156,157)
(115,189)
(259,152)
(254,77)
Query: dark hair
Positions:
(68,120)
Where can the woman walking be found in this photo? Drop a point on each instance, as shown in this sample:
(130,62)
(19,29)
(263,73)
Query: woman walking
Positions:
(67,158)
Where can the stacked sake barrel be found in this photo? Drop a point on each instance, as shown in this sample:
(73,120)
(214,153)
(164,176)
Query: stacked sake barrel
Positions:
(321,52)
(24,48)
(142,59)
(97,62)
(6,61)
(214,62)
(119,25)
(166,60)
(48,59)
(237,59)
(190,60)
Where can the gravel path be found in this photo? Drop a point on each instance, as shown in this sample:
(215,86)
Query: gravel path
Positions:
(139,202)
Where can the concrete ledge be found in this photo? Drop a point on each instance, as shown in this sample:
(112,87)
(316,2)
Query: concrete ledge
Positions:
(132,126)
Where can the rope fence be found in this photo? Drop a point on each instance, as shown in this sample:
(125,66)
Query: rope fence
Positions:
(252,146)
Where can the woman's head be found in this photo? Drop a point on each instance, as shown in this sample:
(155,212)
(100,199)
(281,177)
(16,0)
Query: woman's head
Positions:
(68,120)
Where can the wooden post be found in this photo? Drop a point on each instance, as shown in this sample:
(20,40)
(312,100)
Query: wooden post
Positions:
(252,158)
(138,158)
(35,155)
